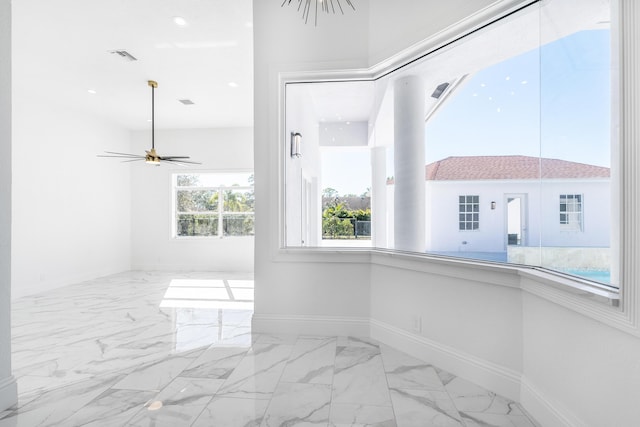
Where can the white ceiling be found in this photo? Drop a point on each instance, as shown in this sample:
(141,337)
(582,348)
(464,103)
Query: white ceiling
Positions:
(61,51)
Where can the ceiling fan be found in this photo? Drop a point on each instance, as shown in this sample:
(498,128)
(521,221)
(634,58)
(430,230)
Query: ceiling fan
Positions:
(151,157)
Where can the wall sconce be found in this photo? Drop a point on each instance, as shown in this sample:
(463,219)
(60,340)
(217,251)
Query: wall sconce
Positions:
(296,140)
(493,206)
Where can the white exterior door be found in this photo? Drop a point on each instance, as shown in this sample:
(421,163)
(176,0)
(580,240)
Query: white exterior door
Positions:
(516,219)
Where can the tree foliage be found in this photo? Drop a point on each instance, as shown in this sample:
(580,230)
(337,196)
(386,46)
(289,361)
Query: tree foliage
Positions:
(338,221)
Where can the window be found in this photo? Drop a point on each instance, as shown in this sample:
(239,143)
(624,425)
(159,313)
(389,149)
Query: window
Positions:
(521,127)
(469,212)
(213,204)
(571,212)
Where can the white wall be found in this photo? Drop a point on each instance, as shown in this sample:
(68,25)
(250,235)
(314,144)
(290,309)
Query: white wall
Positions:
(586,369)
(71,217)
(542,205)
(282,42)
(153,247)
(8,389)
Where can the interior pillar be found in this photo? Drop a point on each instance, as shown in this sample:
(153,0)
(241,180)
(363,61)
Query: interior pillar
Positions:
(409,164)
(8,388)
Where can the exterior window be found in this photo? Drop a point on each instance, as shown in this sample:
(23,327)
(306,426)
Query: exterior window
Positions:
(469,212)
(571,212)
(213,204)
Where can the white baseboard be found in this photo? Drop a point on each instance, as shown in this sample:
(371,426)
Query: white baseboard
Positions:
(494,377)
(545,412)
(310,325)
(8,393)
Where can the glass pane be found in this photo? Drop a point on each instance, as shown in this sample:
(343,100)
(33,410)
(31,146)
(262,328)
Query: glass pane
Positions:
(197,225)
(244,179)
(238,225)
(197,200)
(238,200)
(576,139)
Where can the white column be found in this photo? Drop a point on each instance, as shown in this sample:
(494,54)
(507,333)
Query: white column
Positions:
(409,164)
(8,389)
(379,197)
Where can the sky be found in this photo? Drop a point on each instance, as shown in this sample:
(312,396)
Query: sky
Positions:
(553,102)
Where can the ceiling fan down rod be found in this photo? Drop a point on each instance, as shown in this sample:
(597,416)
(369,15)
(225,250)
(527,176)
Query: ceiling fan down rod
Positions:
(153,85)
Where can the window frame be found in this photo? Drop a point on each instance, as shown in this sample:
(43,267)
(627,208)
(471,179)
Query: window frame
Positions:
(219,213)
(578,223)
(474,203)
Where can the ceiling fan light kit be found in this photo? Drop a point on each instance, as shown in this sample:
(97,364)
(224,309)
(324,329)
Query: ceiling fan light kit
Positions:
(151,157)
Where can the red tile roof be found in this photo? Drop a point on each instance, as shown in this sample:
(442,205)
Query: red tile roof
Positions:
(474,168)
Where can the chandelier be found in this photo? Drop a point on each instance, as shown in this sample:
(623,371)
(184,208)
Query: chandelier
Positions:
(326,6)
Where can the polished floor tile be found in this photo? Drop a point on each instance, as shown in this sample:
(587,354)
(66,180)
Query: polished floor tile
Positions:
(176,349)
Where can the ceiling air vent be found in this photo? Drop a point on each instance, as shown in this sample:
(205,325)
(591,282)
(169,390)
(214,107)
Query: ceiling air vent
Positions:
(186,101)
(124,55)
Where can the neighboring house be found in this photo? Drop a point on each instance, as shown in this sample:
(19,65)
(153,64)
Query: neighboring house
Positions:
(506,204)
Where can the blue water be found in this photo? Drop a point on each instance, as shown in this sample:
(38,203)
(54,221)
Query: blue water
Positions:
(595,275)
(601,276)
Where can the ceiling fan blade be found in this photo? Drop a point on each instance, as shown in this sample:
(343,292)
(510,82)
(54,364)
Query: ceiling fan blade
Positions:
(123,157)
(173,157)
(133,160)
(123,154)
(164,159)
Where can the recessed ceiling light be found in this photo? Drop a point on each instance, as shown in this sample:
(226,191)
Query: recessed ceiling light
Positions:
(92,92)
(233,84)
(248,24)
(180,21)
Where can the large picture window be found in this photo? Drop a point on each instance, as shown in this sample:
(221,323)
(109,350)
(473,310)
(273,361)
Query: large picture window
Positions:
(485,148)
(213,204)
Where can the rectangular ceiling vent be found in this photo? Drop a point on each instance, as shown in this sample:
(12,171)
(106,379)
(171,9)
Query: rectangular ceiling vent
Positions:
(124,55)
(186,101)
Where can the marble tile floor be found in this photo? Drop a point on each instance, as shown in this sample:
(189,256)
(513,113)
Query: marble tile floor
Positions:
(166,349)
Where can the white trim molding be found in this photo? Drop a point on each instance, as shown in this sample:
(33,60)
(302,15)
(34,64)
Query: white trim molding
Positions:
(547,413)
(8,392)
(491,376)
(310,325)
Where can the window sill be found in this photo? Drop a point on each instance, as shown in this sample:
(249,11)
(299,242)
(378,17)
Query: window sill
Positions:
(207,238)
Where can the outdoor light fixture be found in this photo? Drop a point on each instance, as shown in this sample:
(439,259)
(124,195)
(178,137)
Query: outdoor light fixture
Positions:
(296,139)
(493,206)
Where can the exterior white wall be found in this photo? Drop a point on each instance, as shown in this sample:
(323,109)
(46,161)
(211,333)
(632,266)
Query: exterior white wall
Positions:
(153,247)
(302,119)
(8,389)
(71,216)
(542,214)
